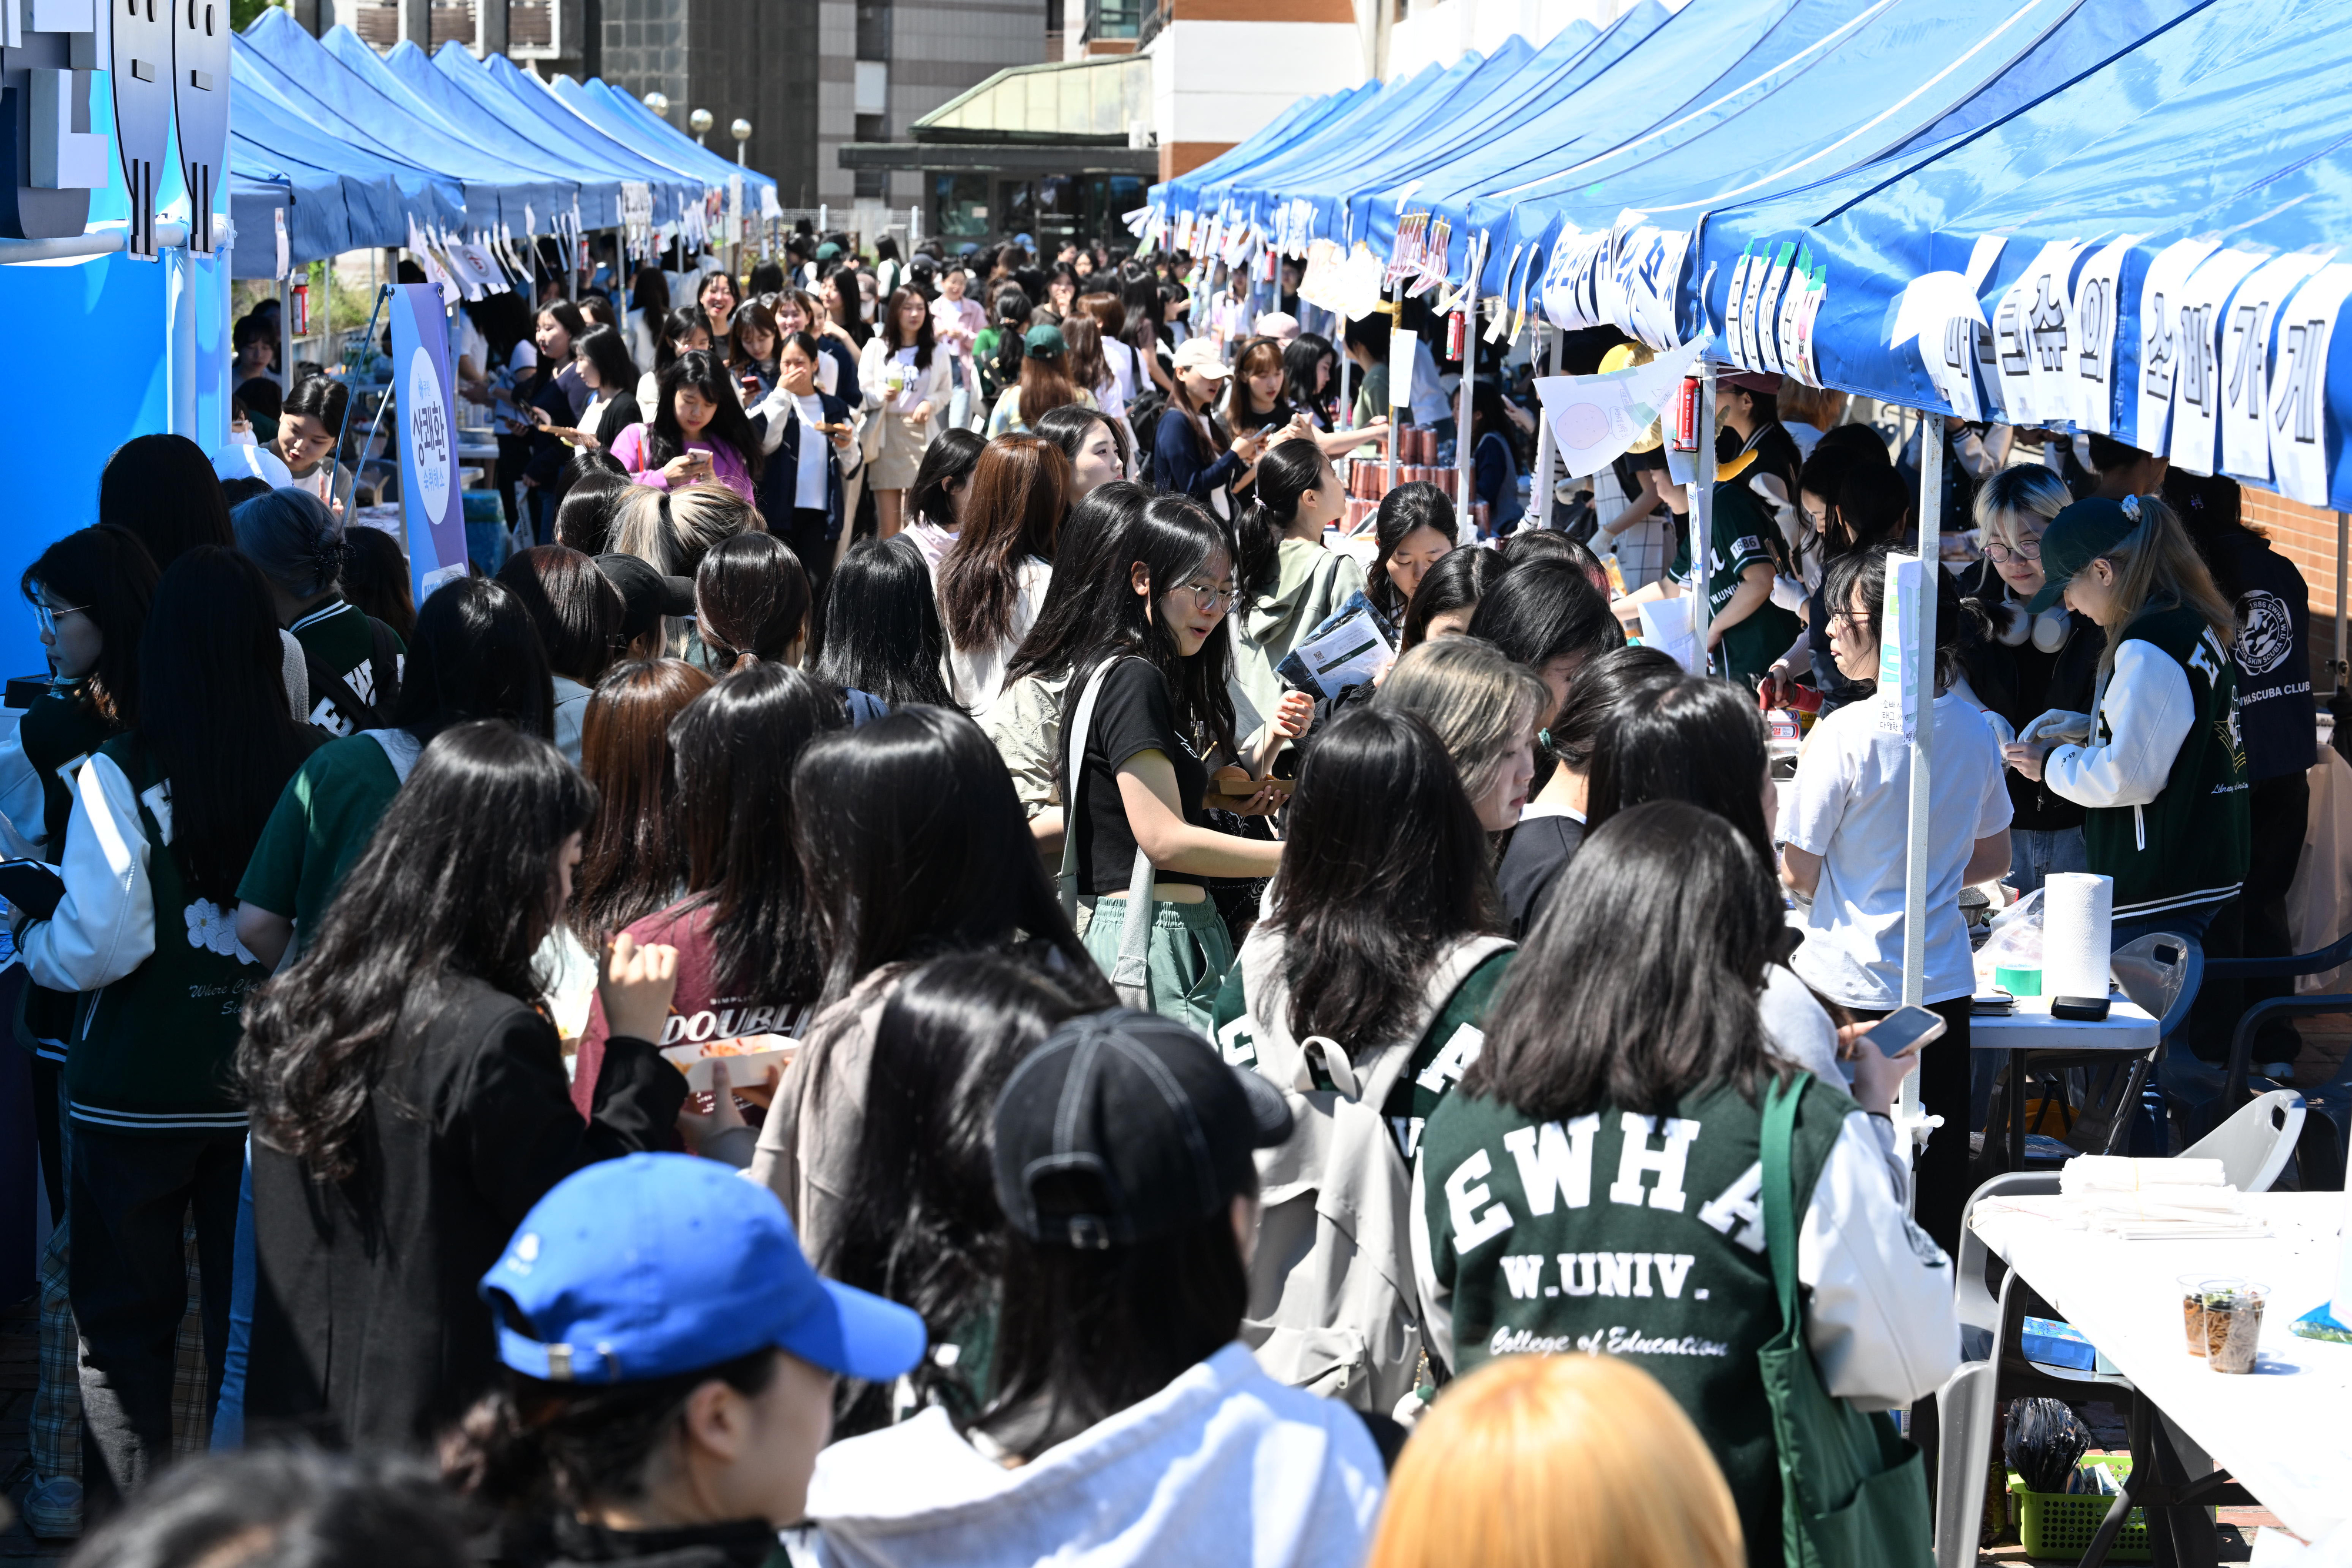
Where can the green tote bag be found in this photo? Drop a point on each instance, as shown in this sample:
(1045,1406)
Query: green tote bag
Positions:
(1853,1491)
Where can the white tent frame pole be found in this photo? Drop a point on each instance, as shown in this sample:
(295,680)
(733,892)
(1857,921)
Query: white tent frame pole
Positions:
(1920,657)
(1539,489)
(1392,298)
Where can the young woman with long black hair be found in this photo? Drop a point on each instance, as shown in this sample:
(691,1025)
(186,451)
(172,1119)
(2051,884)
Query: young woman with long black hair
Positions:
(904,375)
(477,656)
(744,930)
(1547,615)
(1025,722)
(90,593)
(935,504)
(1122,1407)
(600,356)
(1094,441)
(1413,531)
(162,489)
(1383,943)
(1448,596)
(1162,719)
(923,1226)
(912,846)
(577,612)
(683,331)
(1553,825)
(1626,1043)
(750,603)
(699,432)
(634,859)
(649,311)
(374,1221)
(810,454)
(1290,581)
(883,640)
(993,581)
(164,818)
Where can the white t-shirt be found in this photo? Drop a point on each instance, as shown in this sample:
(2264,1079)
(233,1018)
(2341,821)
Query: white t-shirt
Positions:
(809,482)
(976,675)
(1851,804)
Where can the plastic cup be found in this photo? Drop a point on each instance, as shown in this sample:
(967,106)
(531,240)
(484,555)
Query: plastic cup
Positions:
(2192,1308)
(2233,1323)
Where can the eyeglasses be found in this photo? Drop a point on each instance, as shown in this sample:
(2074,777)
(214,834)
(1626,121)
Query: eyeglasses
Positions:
(48,616)
(2028,549)
(1209,597)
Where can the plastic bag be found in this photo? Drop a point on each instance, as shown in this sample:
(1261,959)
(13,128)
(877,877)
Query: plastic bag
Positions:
(2016,939)
(2044,1443)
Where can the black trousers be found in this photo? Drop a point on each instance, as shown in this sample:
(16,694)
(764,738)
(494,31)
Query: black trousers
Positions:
(2282,812)
(129,1198)
(809,533)
(1940,1178)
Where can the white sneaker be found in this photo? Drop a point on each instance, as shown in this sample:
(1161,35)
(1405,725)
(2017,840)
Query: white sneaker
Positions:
(53,1509)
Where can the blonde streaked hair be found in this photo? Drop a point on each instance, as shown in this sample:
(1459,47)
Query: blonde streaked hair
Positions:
(1558,1462)
(2013,494)
(2157,567)
(1480,703)
(672,530)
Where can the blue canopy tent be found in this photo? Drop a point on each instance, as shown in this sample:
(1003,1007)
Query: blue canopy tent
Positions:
(1401,103)
(277,49)
(1539,80)
(633,124)
(464,91)
(1688,58)
(379,190)
(440,105)
(1279,131)
(1918,242)
(520,99)
(1467,91)
(1192,194)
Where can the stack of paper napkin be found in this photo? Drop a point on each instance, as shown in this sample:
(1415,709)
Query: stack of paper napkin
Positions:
(2152,1200)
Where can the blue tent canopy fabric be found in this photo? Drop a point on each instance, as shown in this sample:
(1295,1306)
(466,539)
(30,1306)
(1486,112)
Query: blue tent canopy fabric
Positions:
(351,149)
(2120,215)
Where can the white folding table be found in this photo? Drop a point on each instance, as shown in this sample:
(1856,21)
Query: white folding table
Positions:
(2128,1029)
(2280,1431)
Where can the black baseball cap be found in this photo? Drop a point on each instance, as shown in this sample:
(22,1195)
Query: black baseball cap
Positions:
(1125,1127)
(2079,535)
(646,595)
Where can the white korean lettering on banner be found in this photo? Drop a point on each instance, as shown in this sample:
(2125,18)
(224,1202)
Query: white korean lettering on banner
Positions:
(1734,301)
(1759,272)
(2298,385)
(2245,362)
(1794,289)
(1657,290)
(1809,369)
(2197,389)
(1551,294)
(2030,337)
(2160,350)
(2092,358)
(1764,321)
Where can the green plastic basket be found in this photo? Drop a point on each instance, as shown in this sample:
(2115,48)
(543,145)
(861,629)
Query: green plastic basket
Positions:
(2060,1524)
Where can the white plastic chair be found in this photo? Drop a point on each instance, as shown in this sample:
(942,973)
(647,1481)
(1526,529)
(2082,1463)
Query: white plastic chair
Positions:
(2252,1145)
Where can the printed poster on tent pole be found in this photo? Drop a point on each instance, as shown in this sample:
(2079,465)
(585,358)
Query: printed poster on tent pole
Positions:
(432,515)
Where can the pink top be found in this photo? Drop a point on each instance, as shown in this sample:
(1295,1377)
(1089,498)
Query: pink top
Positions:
(726,467)
(956,322)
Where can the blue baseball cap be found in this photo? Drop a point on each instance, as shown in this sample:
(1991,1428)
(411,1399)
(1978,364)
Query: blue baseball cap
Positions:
(1024,241)
(655,1265)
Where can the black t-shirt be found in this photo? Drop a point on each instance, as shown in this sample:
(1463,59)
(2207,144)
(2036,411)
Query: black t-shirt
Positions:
(2272,654)
(1132,714)
(1539,848)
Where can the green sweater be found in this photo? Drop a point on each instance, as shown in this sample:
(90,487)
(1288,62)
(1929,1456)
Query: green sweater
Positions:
(1609,1234)
(318,831)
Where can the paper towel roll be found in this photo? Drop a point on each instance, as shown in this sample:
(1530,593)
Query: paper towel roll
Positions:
(2078,915)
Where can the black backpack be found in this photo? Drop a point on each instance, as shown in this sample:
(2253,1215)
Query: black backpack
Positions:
(383,667)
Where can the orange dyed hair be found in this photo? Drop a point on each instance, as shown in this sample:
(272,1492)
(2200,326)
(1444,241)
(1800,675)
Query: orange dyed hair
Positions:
(1558,1462)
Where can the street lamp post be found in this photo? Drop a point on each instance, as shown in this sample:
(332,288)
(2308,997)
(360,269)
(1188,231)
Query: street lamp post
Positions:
(659,103)
(699,122)
(741,132)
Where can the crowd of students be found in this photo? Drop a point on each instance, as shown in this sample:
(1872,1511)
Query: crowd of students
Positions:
(1204,1100)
